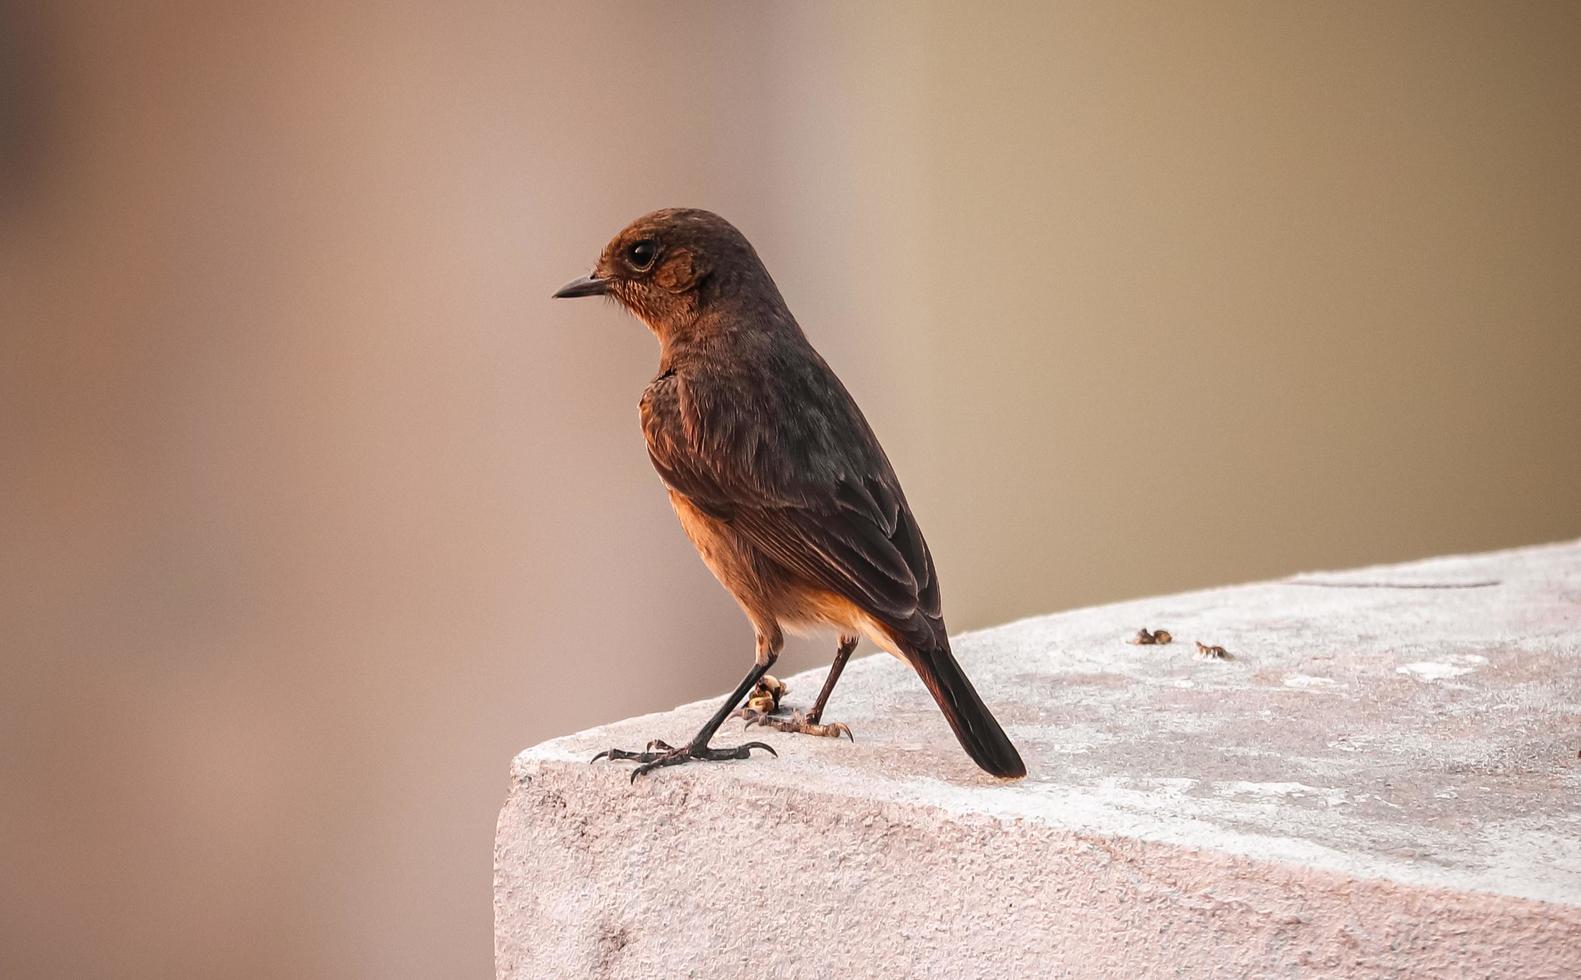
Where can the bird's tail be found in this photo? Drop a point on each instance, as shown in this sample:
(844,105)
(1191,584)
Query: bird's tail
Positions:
(978,732)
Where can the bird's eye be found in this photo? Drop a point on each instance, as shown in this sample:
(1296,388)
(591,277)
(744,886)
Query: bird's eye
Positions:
(640,254)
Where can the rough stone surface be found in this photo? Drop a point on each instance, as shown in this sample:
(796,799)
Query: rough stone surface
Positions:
(1382,781)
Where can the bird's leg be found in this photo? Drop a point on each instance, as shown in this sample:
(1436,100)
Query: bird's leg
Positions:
(659,753)
(842,653)
(808,724)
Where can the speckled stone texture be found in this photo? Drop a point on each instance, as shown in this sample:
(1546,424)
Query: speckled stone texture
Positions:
(1382,781)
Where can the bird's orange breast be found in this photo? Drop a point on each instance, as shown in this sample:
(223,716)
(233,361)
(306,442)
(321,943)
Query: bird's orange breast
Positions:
(768,593)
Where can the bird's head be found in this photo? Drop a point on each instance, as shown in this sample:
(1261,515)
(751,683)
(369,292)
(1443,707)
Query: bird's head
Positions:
(672,266)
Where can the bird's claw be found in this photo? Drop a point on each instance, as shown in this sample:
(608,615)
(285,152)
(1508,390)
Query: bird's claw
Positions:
(751,716)
(798,723)
(660,753)
(834,730)
(655,748)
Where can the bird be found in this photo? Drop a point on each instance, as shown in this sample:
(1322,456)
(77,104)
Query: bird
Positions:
(777,479)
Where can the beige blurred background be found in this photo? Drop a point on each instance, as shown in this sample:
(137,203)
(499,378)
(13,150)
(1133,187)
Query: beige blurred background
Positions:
(314,508)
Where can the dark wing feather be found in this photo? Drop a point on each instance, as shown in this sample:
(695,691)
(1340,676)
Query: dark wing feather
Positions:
(839,550)
(792,465)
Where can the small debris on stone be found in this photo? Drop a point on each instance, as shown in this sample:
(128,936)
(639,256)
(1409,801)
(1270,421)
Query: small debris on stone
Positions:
(765,697)
(1145,639)
(1212,652)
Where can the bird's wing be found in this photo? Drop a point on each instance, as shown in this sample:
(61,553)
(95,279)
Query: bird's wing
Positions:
(805,481)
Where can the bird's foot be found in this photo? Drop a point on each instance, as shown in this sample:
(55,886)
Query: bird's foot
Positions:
(659,753)
(799,723)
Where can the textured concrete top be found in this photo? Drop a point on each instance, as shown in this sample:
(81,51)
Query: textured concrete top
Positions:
(1417,722)
(1382,779)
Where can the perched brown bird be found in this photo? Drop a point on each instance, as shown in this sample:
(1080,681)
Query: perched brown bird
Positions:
(776,477)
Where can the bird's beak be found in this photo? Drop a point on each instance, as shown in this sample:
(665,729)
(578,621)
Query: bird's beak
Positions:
(585,286)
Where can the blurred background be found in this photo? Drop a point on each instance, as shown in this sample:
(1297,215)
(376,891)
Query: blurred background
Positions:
(315,509)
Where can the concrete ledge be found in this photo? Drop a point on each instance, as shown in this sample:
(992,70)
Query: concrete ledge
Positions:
(1382,781)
